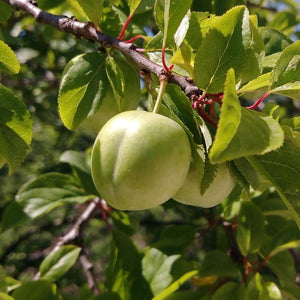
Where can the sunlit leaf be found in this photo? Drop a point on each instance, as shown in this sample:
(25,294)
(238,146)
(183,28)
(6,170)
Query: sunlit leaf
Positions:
(224,47)
(287,68)
(8,60)
(58,262)
(169,15)
(232,139)
(157,269)
(15,129)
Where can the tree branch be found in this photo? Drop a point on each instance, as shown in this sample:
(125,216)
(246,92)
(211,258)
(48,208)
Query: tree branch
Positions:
(89,32)
(74,231)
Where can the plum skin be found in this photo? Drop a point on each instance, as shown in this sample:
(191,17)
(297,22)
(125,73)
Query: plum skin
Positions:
(218,190)
(140,160)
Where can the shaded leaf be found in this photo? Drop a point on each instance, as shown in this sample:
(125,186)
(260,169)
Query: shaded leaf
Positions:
(250,229)
(229,291)
(78,161)
(217,263)
(39,289)
(274,41)
(281,168)
(42,195)
(124,274)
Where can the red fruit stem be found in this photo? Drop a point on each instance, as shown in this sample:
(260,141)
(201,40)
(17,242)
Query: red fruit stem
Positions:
(138,36)
(207,117)
(259,101)
(125,27)
(163,50)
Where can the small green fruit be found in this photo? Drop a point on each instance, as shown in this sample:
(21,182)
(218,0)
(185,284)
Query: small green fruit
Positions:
(140,160)
(218,190)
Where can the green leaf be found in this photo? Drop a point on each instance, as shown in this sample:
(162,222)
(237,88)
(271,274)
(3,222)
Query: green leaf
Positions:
(250,229)
(287,68)
(178,103)
(169,15)
(283,20)
(260,289)
(224,47)
(175,239)
(274,41)
(8,60)
(42,195)
(84,85)
(92,9)
(140,6)
(284,247)
(291,89)
(78,161)
(217,263)
(184,58)
(157,269)
(114,75)
(5,297)
(175,286)
(36,290)
(58,262)
(229,291)
(88,94)
(255,53)
(200,24)
(261,83)
(232,139)
(124,274)
(122,222)
(253,177)
(281,168)
(6,11)
(15,129)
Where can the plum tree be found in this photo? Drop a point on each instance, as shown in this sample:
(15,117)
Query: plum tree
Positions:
(140,160)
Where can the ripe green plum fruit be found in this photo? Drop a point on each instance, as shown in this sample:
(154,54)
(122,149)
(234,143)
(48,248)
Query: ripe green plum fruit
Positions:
(218,190)
(140,160)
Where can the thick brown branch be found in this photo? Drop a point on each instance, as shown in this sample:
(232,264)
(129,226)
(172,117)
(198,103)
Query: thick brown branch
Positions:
(87,31)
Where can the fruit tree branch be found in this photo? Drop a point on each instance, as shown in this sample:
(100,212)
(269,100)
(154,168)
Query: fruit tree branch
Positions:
(89,32)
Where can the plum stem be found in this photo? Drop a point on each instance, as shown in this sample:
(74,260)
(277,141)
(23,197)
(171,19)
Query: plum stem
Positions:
(162,86)
(259,101)
(125,27)
(163,51)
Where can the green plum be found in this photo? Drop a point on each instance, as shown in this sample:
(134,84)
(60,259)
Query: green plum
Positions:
(140,160)
(218,190)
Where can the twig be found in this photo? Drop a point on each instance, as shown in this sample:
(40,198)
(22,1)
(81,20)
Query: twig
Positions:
(87,267)
(74,232)
(89,32)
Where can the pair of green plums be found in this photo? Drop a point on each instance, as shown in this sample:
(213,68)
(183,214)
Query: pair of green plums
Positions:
(141,159)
